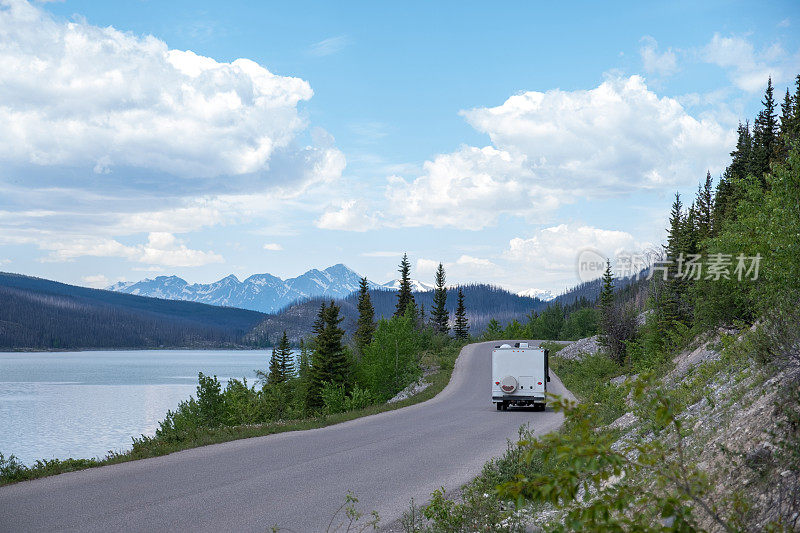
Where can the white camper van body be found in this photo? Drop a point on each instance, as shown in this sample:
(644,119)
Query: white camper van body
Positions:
(519,375)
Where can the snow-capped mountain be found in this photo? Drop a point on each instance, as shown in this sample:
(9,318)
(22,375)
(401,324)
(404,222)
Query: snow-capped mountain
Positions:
(259,292)
(542,294)
(416,285)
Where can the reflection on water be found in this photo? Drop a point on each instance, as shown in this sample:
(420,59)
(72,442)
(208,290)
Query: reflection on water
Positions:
(84,404)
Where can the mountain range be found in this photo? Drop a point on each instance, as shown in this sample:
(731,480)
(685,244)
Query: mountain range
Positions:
(260,292)
(542,294)
(38,314)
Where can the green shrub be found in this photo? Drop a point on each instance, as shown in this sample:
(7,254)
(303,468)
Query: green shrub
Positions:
(334,398)
(11,469)
(579,324)
(391,361)
(359,398)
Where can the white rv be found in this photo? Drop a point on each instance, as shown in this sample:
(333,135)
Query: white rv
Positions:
(519,375)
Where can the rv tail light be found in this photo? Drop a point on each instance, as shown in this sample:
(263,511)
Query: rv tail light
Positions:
(497,383)
(540,383)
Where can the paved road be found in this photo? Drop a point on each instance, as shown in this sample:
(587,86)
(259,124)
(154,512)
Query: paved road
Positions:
(295,480)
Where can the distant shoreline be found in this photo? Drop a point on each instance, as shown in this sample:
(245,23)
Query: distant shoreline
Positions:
(137,349)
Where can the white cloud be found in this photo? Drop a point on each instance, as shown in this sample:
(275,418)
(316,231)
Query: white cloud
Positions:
(785,23)
(175,220)
(749,68)
(98,281)
(470,189)
(555,249)
(551,148)
(617,137)
(161,248)
(273,247)
(113,100)
(475,263)
(464,269)
(329,46)
(664,63)
(350,215)
(127,136)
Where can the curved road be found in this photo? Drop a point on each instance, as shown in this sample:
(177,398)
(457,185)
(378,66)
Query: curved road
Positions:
(295,480)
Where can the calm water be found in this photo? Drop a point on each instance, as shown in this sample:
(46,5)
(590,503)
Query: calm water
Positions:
(83,404)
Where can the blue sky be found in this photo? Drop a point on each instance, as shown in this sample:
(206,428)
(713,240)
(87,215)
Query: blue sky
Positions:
(500,140)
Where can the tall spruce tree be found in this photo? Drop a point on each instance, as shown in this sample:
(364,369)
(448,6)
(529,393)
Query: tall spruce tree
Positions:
(729,189)
(605,325)
(461,327)
(285,359)
(281,363)
(787,118)
(404,295)
(273,376)
(793,129)
(319,323)
(704,207)
(366,318)
(742,156)
(329,362)
(440,314)
(765,134)
(675,250)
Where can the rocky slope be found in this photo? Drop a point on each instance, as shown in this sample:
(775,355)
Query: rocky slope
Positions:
(740,426)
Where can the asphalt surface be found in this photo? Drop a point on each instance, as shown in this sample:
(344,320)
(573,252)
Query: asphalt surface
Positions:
(294,480)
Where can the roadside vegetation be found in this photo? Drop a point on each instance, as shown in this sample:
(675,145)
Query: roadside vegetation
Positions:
(333,380)
(700,430)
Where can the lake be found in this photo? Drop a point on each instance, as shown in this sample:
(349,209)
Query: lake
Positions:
(84,404)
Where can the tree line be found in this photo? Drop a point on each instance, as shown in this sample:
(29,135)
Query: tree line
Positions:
(732,256)
(331,373)
(32,318)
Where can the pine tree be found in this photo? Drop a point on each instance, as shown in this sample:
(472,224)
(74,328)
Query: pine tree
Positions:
(787,119)
(281,363)
(274,368)
(674,234)
(765,134)
(606,306)
(675,251)
(742,156)
(793,130)
(461,327)
(329,363)
(366,319)
(404,295)
(440,315)
(319,324)
(704,206)
(790,120)
(728,189)
(285,358)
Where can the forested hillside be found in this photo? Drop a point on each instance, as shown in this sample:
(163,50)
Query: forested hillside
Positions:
(42,314)
(483,303)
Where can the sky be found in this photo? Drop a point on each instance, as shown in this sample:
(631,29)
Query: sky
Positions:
(203,139)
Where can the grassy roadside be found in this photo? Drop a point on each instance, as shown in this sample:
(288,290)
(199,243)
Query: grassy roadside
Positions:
(478,506)
(688,454)
(12,471)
